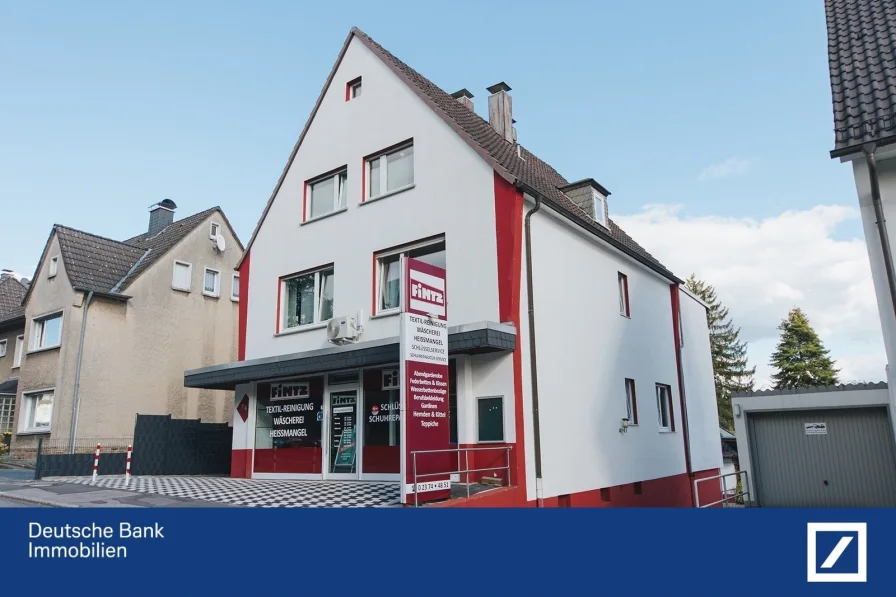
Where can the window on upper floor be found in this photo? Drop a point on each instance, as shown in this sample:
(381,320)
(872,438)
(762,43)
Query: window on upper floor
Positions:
(211,285)
(54,267)
(38,410)
(326,194)
(20,348)
(390,171)
(2,348)
(389,267)
(182,278)
(624,307)
(664,407)
(214,230)
(235,288)
(353,89)
(600,208)
(46,331)
(307,298)
(631,402)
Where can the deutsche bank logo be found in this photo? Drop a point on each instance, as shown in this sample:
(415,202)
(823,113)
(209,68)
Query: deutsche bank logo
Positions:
(837,551)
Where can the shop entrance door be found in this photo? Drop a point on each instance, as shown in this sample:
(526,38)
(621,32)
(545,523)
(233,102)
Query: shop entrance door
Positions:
(342,456)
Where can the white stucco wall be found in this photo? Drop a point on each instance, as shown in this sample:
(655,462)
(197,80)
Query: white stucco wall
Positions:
(585,351)
(453,195)
(699,386)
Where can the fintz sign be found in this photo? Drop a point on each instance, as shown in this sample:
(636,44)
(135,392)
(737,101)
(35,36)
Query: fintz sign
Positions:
(427,292)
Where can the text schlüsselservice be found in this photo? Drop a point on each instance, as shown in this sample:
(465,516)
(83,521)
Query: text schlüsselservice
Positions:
(87,541)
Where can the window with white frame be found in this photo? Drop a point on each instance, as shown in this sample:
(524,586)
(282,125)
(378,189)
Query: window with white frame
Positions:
(46,332)
(54,267)
(390,171)
(600,208)
(183,276)
(307,298)
(7,413)
(214,230)
(211,282)
(327,194)
(38,410)
(20,348)
(389,267)
(664,406)
(2,348)
(235,287)
(624,307)
(631,402)
(354,89)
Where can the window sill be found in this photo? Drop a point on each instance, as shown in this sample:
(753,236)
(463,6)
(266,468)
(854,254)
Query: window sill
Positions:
(666,431)
(490,441)
(184,290)
(44,349)
(386,314)
(389,194)
(325,216)
(625,316)
(302,328)
(211,294)
(234,299)
(34,432)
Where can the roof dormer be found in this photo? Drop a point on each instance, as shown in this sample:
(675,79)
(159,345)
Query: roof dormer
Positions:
(591,198)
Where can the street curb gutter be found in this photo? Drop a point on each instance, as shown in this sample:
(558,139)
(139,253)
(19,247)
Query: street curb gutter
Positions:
(33,500)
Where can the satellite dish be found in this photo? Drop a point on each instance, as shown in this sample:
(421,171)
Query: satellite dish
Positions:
(220,243)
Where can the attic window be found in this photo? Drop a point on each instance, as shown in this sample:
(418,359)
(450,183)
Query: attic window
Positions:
(353,89)
(600,208)
(214,231)
(54,266)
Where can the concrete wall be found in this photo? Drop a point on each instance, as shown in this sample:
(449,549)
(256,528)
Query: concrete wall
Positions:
(150,341)
(453,195)
(700,389)
(586,349)
(49,368)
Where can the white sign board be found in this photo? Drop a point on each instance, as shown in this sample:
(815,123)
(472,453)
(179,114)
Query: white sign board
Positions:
(816,428)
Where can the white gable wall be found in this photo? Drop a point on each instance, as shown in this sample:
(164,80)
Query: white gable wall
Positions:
(453,194)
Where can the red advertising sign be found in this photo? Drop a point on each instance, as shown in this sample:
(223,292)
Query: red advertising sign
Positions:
(424,392)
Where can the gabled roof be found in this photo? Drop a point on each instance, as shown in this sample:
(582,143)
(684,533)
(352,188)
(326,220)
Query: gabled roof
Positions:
(12,292)
(525,169)
(106,266)
(862,63)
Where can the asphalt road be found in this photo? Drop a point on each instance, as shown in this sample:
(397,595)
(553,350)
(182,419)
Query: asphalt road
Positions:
(5,503)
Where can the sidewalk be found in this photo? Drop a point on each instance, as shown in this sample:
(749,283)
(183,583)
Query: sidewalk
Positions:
(60,494)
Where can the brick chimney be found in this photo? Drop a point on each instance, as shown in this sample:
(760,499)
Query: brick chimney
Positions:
(464,97)
(160,216)
(500,111)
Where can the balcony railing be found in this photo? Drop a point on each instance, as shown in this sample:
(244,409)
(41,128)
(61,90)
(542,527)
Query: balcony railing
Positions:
(464,472)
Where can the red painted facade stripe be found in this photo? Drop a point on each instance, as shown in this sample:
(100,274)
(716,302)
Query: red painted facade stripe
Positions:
(244,307)
(509,246)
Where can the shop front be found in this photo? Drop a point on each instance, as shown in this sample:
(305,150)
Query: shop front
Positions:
(304,417)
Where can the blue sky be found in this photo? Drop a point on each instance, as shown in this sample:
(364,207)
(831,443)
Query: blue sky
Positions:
(722,108)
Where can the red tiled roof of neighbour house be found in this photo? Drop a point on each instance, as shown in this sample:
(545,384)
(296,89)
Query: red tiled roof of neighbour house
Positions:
(525,168)
(862,65)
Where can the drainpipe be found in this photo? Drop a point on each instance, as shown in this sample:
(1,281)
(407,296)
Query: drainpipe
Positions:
(685,430)
(881,222)
(78,371)
(532,357)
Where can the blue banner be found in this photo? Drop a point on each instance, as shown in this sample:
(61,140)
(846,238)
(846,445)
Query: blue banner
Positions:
(394,551)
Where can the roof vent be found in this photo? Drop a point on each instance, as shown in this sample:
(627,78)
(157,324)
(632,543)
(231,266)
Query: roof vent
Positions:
(464,97)
(160,216)
(500,111)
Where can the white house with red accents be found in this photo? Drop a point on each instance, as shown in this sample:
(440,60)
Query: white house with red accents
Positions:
(576,358)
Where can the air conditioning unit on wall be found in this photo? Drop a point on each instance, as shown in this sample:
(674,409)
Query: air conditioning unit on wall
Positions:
(342,330)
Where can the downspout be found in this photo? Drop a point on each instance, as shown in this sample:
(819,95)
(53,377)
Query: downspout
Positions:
(881,222)
(685,431)
(78,371)
(536,427)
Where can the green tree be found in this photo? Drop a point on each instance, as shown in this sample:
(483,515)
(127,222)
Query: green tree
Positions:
(729,353)
(801,360)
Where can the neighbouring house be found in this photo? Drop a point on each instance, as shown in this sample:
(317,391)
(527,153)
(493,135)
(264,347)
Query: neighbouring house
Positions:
(110,326)
(390,166)
(12,335)
(834,446)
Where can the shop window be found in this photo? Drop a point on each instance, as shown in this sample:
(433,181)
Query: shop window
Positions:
(491,419)
(288,426)
(382,422)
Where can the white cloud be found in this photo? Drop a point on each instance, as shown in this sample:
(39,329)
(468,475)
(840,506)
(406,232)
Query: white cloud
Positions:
(763,268)
(729,167)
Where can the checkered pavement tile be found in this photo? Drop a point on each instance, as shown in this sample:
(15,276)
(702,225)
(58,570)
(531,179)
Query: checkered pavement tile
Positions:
(258,493)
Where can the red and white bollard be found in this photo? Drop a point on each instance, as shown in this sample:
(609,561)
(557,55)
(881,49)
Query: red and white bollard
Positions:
(127,467)
(96,463)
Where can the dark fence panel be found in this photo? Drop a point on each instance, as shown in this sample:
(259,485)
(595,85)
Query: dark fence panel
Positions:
(80,465)
(166,446)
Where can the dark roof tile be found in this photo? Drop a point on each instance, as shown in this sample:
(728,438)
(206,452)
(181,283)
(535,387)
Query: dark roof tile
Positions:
(11,294)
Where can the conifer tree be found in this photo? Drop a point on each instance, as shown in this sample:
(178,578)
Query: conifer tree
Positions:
(801,360)
(729,353)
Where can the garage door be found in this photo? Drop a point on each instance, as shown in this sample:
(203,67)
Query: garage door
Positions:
(823,458)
